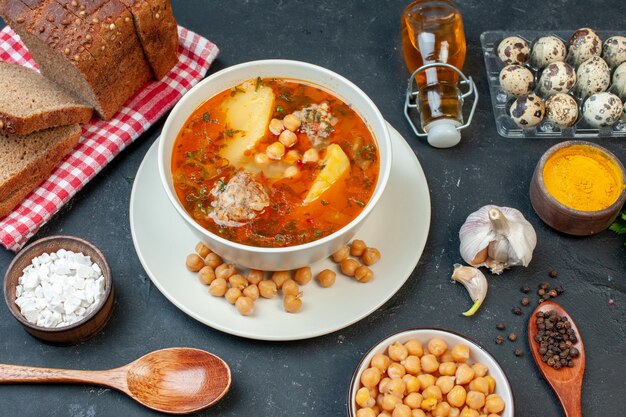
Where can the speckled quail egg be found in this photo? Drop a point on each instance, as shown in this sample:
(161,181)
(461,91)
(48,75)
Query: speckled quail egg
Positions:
(562,110)
(527,111)
(513,50)
(614,50)
(594,76)
(546,50)
(602,109)
(619,81)
(557,77)
(516,80)
(583,44)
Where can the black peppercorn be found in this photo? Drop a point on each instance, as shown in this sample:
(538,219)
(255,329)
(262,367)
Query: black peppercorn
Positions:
(517,311)
(552,293)
(518,352)
(512,337)
(525,301)
(499,340)
(525,289)
(555,338)
(500,326)
(541,292)
(554,274)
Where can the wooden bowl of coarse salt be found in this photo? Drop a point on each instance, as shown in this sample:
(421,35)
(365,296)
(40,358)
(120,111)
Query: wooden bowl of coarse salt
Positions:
(578,188)
(60,289)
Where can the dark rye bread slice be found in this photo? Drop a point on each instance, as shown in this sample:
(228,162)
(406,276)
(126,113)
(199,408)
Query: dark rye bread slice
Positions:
(30,102)
(26,160)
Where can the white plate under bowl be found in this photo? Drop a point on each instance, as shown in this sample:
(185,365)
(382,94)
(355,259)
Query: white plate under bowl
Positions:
(477,354)
(398,227)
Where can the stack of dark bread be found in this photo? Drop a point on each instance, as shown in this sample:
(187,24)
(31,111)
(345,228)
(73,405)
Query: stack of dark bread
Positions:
(93,56)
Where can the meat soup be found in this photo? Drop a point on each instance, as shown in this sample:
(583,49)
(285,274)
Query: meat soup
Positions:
(274,163)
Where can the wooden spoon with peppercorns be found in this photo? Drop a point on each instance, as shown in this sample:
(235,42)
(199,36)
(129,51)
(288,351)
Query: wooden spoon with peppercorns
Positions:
(566,380)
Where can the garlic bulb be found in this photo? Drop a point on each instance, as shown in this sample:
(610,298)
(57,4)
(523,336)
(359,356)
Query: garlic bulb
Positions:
(474,282)
(498,238)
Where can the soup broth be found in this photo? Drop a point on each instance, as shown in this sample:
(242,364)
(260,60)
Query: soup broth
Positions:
(241,173)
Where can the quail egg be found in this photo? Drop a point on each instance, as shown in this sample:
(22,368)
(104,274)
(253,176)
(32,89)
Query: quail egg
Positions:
(594,76)
(614,50)
(562,110)
(619,81)
(546,50)
(516,80)
(513,50)
(602,109)
(527,111)
(557,77)
(583,44)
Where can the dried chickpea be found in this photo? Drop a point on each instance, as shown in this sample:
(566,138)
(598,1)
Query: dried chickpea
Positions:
(414,347)
(397,352)
(292,156)
(349,266)
(267,289)
(401,410)
(479,384)
(426,380)
(310,155)
(206,275)
(412,383)
(464,374)
(245,305)
(218,287)
(341,254)
(442,410)
(276,126)
(232,295)
(480,369)
(446,357)
(413,400)
(396,387)
(460,353)
(445,384)
(303,275)
(370,256)
(383,414)
(370,377)
(437,346)
(456,397)
(390,402)
(494,404)
(255,276)
(475,400)
(468,412)
(225,271)
(194,262)
(379,400)
(261,159)
(382,385)
(429,363)
(291,122)
(363,274)
(357,247)
(395,370)
(493,415)
(326,278)
(237,281)
(213,260)
(491,382)
(447,368)
(202,249)
(279,278)
(292,303)
(290,287)
(287,138)
(412,364)
(380,361)
(432,391)
(454,412)
(418,413)
(428,404)
(252,292)
(366,412)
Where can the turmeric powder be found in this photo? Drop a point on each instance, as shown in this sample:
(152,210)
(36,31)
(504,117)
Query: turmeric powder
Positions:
(583,178)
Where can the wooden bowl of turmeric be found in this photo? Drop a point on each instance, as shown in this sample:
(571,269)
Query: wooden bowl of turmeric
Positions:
(578,188)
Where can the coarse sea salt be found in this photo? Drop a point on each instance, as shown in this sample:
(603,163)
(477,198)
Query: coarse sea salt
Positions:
(60,288)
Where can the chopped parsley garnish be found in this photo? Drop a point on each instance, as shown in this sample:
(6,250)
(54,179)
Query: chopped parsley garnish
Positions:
(359,203)
(285,97)
(235,91)
(280,109)
(206,116)
(317,233)
(259,83)
(231,132)
(221,185)
(324,202)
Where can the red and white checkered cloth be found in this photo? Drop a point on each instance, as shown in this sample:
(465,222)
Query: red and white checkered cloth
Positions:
(100,141)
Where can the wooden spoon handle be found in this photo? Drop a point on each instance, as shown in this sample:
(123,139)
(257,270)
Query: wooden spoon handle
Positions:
(572,405)
(27,374)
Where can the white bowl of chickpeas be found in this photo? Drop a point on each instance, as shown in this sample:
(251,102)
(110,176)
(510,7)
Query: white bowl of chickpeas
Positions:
(429,372)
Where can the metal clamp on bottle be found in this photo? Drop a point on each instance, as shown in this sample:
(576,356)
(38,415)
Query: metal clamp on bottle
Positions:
(443,132)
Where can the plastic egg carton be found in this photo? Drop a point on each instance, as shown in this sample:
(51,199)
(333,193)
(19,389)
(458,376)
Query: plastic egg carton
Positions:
(501,101)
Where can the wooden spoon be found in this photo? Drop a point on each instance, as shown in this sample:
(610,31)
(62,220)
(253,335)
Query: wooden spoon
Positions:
(175,381)
(566,382)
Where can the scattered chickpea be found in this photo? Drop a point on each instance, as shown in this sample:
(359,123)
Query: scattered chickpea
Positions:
(447,368)
(341,254)
(445,384)
(401,410)
(415,347)
(213,260)
(412,364)
(245,305)
(455,412)
(414,400)
(383,384)
(292,303)
(480,369)
(432,391)
(292,122)
(418,413)
(370,377)
(380,361)
(426,380)
(395,370)
(275,151)
(390,402)
(397,352)
(363,274)
(276,126)
(225,271)
(232,294)
(288,138)
(460,353)
(303,275)
(429,363)
(479,384)
(492,383)
(290,287)
(357,247)
(363,398)
(464,374)
(206,275)
(412,383)
(442,410)
(437,346)
(475,400)
(428,404)
(218,287)
(255,276)
(494,404)
(366,412)
(326,278)
(238,281)
(252,292)
(202,249)
(261,159)
(446,357)
(456,396)
(267,289)
(279,278)
(396,387)
(194,262)
(349,266)
(468,412)
(370,256)
(310,155)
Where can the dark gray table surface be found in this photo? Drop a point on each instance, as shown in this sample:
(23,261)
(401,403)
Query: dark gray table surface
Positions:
(360,40)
